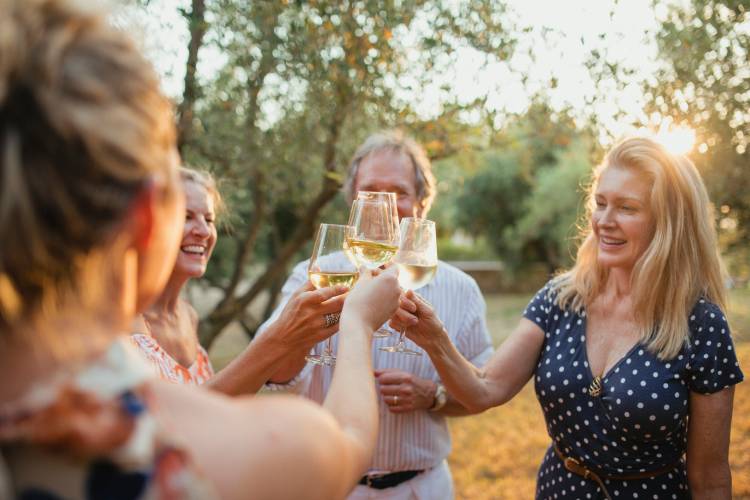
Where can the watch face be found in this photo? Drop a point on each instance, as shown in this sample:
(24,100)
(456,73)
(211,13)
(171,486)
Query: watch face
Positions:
(441,397)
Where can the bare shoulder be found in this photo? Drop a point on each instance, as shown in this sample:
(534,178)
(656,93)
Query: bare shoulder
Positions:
(275,446)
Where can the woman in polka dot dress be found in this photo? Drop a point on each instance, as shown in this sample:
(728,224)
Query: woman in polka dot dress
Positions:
(630,352)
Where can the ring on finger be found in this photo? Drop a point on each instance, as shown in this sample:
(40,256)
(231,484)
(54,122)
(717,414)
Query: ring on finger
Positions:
(331,319)
(395,400)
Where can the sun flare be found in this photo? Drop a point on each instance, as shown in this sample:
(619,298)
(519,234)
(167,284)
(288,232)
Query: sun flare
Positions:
(677,140)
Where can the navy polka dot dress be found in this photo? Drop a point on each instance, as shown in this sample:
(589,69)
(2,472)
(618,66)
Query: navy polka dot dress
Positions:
(639,421)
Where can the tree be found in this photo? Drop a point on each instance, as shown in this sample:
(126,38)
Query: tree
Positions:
(704,83)
(526,195)
(302,83)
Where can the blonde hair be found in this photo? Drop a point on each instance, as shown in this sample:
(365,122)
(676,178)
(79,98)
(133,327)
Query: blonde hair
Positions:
(681,263)
(208,182)
(396,141)
(83,128)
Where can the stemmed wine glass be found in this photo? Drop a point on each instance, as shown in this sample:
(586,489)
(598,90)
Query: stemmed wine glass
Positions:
(376,233)
(417,264)
(330,265)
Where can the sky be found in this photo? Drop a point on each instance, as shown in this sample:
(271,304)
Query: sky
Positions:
(574,27)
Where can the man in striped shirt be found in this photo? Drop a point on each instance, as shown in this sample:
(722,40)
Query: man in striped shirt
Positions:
(414,441)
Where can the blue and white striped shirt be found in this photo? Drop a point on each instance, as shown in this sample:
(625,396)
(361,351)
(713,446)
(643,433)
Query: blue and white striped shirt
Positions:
(419,439)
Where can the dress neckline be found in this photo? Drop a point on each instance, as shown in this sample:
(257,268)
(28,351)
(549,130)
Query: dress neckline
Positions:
(605,374)
(156,346)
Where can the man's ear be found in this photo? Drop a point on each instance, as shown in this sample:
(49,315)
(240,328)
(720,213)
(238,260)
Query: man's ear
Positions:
(142,216)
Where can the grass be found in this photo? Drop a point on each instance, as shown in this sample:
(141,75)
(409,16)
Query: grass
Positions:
(496,454)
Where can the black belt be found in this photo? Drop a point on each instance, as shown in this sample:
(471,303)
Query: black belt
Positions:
(381,482)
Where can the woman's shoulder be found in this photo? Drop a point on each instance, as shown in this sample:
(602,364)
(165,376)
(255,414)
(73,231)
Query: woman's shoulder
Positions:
(707,318)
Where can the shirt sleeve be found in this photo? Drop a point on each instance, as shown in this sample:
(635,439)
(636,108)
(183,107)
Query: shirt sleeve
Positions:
(539,309)
(713,361)
(299,383)
(473,340)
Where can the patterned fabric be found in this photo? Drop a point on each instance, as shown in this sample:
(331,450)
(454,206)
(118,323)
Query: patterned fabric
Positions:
(420,439)
(168,368)
(639,422)
(91,435)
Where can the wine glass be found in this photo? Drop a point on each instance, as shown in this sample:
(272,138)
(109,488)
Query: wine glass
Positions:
(330,265)
(417,264)
(375,239)
(375,220)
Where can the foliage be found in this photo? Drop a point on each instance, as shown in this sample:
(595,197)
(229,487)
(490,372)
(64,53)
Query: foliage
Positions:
(526,195)
(704,46)
(451,250)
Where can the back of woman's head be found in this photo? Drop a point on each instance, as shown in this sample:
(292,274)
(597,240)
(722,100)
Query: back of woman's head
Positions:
(83,128)
(681,262)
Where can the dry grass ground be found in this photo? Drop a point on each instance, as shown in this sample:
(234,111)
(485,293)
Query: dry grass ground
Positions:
(496,454)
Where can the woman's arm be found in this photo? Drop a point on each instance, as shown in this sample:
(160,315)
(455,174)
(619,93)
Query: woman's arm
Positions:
(708,445)
(285,447)
(477,389)
(287,340)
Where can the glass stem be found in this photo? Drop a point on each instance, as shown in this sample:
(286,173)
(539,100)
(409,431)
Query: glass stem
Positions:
(401,344)
(329,349)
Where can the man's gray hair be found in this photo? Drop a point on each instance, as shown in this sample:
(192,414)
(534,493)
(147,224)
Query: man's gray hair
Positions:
(396,141)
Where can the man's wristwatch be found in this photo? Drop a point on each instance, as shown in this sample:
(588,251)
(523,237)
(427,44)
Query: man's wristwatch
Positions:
(441,397)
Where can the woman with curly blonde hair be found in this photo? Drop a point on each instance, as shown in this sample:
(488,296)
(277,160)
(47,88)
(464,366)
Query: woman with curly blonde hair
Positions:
(630,351)
(91,216)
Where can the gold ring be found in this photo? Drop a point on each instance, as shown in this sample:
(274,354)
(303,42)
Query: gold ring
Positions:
(395,400)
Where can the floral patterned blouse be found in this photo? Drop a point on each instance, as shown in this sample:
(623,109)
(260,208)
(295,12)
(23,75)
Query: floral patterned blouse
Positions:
(91,434)
(168,368)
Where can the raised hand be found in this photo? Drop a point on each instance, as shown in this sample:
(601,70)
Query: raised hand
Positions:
(419,319)
(372,300)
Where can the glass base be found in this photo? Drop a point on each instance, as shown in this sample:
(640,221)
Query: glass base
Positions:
(381,333)
(400,348)
(321,359)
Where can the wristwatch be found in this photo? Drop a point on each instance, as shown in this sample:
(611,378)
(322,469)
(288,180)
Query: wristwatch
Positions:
(441,397)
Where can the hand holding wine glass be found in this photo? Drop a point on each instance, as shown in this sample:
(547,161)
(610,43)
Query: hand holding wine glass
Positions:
(417,261)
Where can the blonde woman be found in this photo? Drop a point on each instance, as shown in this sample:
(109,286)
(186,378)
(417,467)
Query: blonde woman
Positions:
(630,351)
(91,213)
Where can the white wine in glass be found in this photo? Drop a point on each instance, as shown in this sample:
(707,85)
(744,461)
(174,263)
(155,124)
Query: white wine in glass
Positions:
(371,254)
(331,265)
(417,264)
(321,279)
(413,276)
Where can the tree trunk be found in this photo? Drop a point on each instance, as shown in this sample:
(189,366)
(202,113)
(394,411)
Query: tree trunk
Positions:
(197,25)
